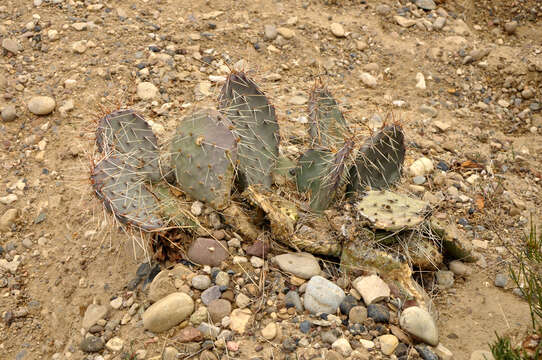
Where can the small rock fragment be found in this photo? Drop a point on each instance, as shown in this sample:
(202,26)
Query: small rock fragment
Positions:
(372,288)
(337,30)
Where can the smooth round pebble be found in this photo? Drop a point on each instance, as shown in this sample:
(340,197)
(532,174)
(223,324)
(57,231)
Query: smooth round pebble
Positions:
(379,313)
(347,304)
(9,113)
(201,282)
(41,105)
(419,323)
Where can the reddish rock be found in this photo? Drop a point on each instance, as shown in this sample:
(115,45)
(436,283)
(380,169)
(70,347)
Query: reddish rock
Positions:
(206,251)
(259,249)
(189,334)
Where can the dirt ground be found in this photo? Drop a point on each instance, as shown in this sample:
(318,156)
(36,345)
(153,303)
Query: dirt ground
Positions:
(75,255)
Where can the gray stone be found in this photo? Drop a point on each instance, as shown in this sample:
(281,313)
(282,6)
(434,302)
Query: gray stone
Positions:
(201,282)
(292,299)
(270,32)
(211,294)
(419,180)
(92,344)
(328,337)
(208,331)
(41,105)
(218,309)
(322,296)
(168,312)
(459,268)
(426,4)
(383,9)
(501,280)
(9,113)
(93,313)
(419,323)
(302,265)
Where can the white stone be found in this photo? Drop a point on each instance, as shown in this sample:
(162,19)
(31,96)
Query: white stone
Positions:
(421,167)
(147,91)
(342,346)
(443,353)
(337,30)
(270,331)
(242,301)
(257,262)
(419,323)
(41,105)
(420,81)
(388,343)
(302,265)
(368,79)
(239,320)
(322,296)
(372,288)
(8,199)
(116,303)
(115,344)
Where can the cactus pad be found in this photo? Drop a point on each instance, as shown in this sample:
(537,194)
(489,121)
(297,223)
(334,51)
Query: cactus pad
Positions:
(321,174)
(254,125)
(327,126)
(124,193)
(392,212)
(204,157)
(126,132)
(380,160)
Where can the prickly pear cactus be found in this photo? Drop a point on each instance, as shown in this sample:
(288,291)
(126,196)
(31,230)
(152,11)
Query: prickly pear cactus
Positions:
(327,126)
(254,125)
(124,193)
(321,174)
(125,132)
(379,161)
(392,212)
(204,157)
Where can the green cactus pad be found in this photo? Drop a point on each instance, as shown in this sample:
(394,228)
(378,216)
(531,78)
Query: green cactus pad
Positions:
(392,212)
(126,132)
(203,154)
(321,173)
(254,125)
(175,212)
(125,194)
(380,160)
(327,126)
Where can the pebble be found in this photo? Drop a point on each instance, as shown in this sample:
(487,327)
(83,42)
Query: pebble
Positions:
(403,21)
(419,180)
(439,23)
(170,353)
(242,301)
(421,166)
(298,100)
(9,113)
(367,344)
(419,323)
(426,4)
(270,331)
(357,315)
(52,34)
(91,344)
(116,303)
(302,265)
(289,344)
(285,32)
(168,312)
(8,199)
(383,9)
(328,337)
(257,262)
(207,251)
(372,288)
(501,280)
(342,346)
(527,93)
(79,47)
(147,91)
(41,105)
(292,299)
(10,45)
(337,30)
(420,81)
(388,343)
(445,279)
(189,334)
(322,296)
(305,326)
(378,312)
(270,32)
(511,27)
(368,79)
(481,355)
(222,279)
(240,318)
(201,282)
(196,208)
(93,313)
(426,353)
(218,309)
(208,331)
(443,353)
(347,304)
(115,344)
(211,294)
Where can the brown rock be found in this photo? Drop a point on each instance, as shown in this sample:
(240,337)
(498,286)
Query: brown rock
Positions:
(206,251)
(259,249)
(228,295)
(189,334)
(218,309)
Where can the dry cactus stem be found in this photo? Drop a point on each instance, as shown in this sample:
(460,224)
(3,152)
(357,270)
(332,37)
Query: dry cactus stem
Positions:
(255,127)
(204,154)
